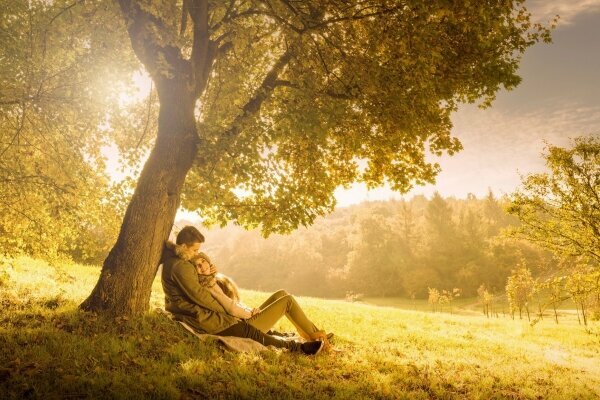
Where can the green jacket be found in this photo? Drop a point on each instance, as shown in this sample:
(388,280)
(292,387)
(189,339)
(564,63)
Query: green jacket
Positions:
(185,298)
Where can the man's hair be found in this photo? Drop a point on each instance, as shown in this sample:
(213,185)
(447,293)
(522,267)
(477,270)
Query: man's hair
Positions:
(189,235)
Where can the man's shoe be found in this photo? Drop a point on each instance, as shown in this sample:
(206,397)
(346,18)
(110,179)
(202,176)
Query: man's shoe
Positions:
(312,348)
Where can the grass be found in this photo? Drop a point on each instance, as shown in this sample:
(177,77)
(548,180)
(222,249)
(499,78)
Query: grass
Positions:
(472,306)
(460,305)
(49,349)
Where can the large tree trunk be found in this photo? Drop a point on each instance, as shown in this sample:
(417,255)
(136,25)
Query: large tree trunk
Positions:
(125,283)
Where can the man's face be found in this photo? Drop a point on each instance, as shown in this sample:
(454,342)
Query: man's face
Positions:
(194,247)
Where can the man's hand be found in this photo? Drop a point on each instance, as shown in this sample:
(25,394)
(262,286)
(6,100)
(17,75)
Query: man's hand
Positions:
(255,311)
(213,269)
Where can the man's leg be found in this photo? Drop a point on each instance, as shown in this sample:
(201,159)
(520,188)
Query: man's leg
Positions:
(244,330)
(287,306)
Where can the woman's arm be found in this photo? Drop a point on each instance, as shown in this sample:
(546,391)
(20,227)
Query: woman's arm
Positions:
(229,305)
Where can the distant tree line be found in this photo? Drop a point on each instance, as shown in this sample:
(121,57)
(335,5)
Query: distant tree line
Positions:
(386,248)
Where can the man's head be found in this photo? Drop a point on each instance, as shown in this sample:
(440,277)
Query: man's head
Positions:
(190,237)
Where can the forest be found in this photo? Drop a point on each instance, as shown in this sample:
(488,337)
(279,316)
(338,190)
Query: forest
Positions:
(387,248)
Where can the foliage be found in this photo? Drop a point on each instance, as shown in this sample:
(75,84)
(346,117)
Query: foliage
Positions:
(50,349)
(520,288)
(560,210)
(487,300)
(390,248)
(306,97)
(55,60)
(583,285)
(438,299)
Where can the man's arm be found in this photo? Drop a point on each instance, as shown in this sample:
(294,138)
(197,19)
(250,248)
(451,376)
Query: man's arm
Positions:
(186,277)
(230,306)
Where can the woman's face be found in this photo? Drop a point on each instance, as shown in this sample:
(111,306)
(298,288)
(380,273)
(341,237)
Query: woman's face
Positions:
(203,267)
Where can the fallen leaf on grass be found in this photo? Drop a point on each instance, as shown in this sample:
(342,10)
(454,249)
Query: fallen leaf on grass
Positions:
(70,378)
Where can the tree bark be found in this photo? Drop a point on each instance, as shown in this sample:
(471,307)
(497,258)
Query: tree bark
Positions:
(125,283)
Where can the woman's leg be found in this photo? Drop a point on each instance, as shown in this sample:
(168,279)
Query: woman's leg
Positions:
(287,306)
(275,296)
(244,330)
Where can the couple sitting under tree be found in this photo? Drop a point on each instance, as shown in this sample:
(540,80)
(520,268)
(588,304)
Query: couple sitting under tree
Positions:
(195,297)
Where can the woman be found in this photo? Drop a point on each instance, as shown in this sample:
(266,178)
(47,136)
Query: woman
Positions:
(194,305)
(264,317)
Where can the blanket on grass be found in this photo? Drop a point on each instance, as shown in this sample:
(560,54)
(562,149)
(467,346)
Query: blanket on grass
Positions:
(237,344)
(232,343)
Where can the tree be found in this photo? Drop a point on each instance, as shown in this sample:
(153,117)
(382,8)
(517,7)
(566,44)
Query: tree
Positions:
(494,214)
(434,298)
(448,296)
(560,210)
(486,298)
(443,245)
(52,179)
(583,285)
(520,288)
(375,263)
(266,106)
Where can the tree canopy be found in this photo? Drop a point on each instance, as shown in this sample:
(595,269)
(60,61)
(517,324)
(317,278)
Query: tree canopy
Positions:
(560,209)
(302,97)
(309,96)
(55,61)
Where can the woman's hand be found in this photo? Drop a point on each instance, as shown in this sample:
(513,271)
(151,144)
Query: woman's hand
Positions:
(213,269)
(255,311)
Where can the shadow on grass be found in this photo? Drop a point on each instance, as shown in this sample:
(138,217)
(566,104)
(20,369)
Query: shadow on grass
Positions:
(51,349)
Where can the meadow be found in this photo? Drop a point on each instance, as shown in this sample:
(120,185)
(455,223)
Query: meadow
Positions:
(49,349)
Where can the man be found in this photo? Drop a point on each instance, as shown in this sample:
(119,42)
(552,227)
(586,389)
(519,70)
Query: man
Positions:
(191,303)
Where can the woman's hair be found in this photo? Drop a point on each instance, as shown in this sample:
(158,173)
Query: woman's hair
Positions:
(203,256)
(200,257)
(189,235)
(228,287)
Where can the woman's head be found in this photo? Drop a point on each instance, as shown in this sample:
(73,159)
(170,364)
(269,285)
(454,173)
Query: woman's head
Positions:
(202,263)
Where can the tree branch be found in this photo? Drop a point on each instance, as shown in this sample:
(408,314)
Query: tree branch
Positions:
(147,34)
(203,49)
(252,107)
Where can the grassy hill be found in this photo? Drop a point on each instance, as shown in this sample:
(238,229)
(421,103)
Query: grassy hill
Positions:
(49,349)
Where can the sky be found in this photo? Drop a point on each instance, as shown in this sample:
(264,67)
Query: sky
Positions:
(558,99)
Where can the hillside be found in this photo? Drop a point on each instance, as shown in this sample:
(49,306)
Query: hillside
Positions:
(49,349)
(396,248)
